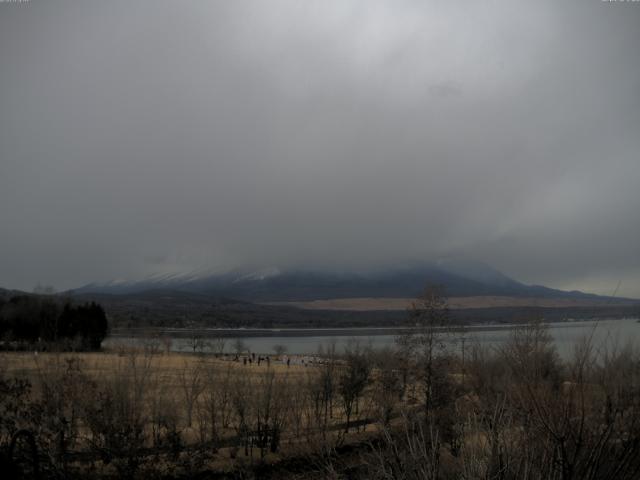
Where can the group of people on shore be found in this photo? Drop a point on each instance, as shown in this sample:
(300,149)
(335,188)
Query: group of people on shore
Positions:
(251,359)
(288,360)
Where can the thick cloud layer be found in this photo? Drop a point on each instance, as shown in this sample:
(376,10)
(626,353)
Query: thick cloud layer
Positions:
(138,137)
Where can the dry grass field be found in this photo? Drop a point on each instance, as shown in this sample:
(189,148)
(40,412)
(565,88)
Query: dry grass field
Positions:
(418,411)
(106,364)
(216,410)
(377,304)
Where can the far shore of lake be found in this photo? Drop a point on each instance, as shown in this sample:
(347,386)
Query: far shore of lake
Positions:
(185,332)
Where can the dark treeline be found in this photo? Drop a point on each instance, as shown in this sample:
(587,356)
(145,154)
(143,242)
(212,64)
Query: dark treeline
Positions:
(29,319)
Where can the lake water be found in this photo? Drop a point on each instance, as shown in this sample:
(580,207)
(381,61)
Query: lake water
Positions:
(603,333)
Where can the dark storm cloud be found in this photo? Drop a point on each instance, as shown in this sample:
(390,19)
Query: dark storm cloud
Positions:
(145,136)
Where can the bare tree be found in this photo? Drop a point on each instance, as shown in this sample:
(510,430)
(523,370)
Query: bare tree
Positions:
(115,413)
(279,350)
(388,386)
(429,315)
(190,380)
(217,344)
(353,380)
(167,343)
(197,343)
(239,346)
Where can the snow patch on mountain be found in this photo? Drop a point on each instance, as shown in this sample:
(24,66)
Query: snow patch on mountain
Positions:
(259,275)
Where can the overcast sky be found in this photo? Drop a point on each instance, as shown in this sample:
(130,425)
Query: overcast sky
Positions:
(147,136)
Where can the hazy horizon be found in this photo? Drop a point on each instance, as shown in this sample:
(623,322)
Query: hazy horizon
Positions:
(150,136)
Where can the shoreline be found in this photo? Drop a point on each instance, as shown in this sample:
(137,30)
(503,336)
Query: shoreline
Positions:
(149,332)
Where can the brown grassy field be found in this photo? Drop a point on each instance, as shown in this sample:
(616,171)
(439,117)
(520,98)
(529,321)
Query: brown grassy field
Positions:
(219,404)
(394,304)
(106,364)
(418,411)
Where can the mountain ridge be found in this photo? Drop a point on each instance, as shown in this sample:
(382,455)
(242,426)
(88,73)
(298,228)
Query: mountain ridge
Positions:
(460,278)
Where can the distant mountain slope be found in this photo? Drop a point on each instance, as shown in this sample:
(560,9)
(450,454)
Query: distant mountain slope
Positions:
(460,278)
